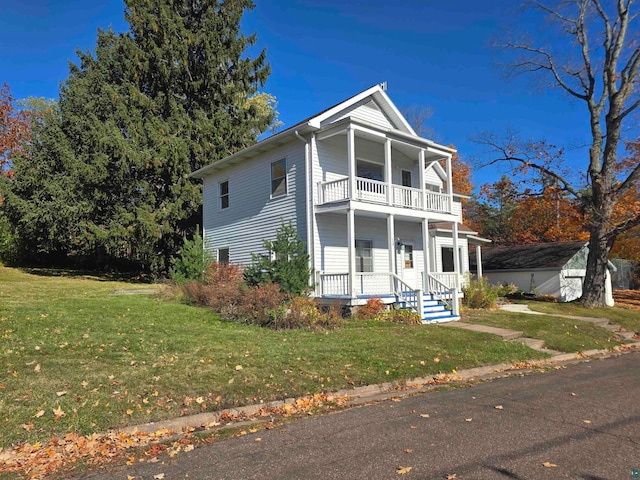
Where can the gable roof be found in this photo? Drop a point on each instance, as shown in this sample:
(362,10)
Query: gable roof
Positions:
(528,257)
(314,123)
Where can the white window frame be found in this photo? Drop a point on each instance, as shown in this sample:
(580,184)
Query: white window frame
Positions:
(221,195)
(359,264)
(284,177)
(402,172)
(404,257)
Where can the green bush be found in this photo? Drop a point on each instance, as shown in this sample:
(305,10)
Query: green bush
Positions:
(288,267)
(193,262)
(480,294)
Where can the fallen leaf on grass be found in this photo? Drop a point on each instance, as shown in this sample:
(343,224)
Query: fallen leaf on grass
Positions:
(39,414)
(403,470)
(549,464)
(238,367)
(58,412)
(499,407)
(37,368)
(61,393)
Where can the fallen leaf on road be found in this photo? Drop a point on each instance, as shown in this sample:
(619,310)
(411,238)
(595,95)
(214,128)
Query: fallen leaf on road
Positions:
(424,415)
(413,426)
(549,464)
(572,394)
(259,439)
(451,476)
(586,421)
(408,450)
(468,419)
(189,447)
(403,470)
(159,476)
(499,407)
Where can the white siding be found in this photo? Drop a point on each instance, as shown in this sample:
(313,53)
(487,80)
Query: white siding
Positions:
(547,282)
(366,111)
(431,177)
(252,215)
(447,241)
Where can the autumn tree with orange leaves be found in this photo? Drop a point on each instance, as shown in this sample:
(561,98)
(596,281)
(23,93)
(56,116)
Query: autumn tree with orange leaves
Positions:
(14,130)
(589,50)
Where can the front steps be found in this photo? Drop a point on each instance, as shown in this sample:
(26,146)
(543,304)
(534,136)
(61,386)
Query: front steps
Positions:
(436,312)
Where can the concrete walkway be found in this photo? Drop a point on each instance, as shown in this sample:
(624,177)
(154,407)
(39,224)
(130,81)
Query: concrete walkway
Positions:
(535,343)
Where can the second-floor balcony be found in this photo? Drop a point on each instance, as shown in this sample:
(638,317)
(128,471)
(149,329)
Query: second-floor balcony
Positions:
(374,191)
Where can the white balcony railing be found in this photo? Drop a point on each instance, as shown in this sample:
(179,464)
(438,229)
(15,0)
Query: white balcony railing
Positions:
(374,191)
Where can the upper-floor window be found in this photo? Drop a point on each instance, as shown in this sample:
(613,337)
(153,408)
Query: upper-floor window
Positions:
(279,178)
(406,178)
(370,170)
(224,195)
(433,187)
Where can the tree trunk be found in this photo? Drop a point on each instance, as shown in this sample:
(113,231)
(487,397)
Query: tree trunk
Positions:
(593,289)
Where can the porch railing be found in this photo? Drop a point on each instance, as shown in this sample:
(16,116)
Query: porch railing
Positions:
(375,191)
(444,292)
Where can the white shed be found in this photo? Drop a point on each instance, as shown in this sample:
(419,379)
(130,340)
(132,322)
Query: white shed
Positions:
(556,269)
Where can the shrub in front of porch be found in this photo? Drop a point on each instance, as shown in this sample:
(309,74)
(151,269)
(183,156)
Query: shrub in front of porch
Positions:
(480,294)
(370,310)
(225,291)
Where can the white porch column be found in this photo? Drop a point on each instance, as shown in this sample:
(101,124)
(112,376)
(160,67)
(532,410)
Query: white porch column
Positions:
(423,193)
(456,263)
(391,242)
(426,254)
(351,157)
(387,171)
(479,261)
(450,183)
(351,241)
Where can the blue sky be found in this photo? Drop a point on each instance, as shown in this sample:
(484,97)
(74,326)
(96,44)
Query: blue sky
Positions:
(432,53)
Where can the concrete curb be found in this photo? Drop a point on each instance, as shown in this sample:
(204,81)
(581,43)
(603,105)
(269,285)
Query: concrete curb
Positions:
(372,393)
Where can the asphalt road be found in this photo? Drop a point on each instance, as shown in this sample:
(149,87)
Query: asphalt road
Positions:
(584,420)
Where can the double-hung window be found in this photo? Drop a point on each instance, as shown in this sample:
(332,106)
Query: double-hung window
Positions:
(364,256)
(224,194)
(279,178)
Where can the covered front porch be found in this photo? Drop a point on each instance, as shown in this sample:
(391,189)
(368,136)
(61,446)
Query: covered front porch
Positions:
(396,258)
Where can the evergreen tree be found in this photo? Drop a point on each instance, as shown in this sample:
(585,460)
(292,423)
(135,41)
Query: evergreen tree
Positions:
(152,105)
(288,264)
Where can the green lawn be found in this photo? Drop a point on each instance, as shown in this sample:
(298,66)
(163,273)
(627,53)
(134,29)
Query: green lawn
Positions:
(626,317)
(560,334)
(77,358)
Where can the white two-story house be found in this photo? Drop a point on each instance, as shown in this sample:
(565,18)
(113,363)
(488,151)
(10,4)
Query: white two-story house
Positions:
(372,200)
